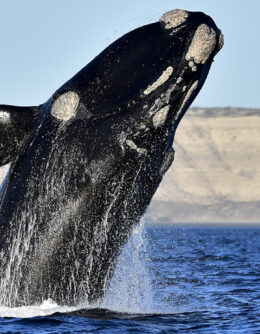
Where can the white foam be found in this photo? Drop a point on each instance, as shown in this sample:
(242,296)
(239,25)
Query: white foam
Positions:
(131,288)
(46,308)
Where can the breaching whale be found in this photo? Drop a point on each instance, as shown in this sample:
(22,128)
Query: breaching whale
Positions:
(85,164)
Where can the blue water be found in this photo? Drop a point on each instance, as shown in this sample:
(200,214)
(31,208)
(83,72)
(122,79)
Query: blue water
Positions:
(169,280)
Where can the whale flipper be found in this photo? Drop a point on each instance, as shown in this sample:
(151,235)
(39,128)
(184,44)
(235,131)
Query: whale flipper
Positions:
(16,124)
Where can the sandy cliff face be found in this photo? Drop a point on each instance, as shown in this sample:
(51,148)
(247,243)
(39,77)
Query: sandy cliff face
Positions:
(216,172)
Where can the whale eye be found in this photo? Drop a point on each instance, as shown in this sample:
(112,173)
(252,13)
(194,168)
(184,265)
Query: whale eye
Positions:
(65,106)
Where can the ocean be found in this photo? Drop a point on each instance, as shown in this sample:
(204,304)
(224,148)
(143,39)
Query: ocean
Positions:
(170,279)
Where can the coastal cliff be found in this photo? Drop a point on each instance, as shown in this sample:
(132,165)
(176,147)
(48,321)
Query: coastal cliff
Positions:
(216,173)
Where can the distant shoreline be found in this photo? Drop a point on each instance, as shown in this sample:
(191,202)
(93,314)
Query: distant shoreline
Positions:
(222,112)
(202,224)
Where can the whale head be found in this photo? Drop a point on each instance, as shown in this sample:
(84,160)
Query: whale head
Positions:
(141,86)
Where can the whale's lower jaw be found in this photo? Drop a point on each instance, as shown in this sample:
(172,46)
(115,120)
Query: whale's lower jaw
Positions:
(86,164)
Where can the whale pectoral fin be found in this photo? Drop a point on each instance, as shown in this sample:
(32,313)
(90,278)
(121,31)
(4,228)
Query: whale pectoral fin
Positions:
(15,125)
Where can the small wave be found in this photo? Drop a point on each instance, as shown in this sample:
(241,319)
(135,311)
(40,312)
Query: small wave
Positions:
(48,307)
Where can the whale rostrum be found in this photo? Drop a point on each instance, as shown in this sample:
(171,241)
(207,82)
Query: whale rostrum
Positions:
(85,164)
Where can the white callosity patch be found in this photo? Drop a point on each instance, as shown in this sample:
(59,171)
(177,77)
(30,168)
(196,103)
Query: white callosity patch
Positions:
(167,161)
(174,18)
(164,98)
(161,80)
(220,42)
(188,95)
(64,108)
(202,45)
(4,117)
(131,144)
(160,106)
(161,116)
(192,66)
(142,126)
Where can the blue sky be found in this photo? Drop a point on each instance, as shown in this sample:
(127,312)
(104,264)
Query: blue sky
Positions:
(44,43)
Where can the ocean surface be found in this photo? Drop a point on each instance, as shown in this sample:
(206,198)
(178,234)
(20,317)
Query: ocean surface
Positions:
(200,279)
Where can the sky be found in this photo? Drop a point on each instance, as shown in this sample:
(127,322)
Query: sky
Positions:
(45,42)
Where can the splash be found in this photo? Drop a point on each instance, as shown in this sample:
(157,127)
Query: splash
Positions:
(48,307)
(131,288)
(62,242)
